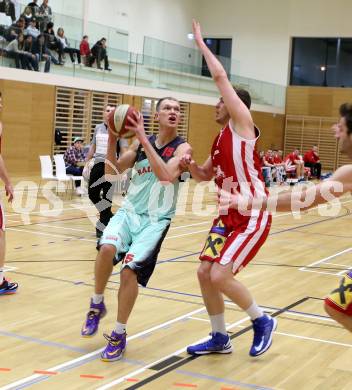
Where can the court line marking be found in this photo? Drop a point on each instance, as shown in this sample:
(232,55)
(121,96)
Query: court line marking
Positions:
(26,380)
(142,369)
(306,267)
(50,234)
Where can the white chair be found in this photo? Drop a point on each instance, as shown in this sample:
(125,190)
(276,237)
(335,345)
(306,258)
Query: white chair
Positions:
(46,169)
(61,174)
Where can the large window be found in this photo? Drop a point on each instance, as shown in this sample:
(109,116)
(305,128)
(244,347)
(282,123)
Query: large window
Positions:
(321,62)
(222,49)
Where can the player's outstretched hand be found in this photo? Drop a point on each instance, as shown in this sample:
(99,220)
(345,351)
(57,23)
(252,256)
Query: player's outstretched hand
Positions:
(197,33)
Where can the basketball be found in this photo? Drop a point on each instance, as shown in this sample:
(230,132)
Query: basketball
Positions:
(118,120)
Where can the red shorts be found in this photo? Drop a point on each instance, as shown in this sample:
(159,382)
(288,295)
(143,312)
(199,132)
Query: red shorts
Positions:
(237,245)
(340,299)
(2,218)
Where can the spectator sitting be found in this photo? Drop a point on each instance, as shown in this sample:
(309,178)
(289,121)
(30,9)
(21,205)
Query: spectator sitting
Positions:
(74,157)
(45,14)
(268,161)
(294,164)
(35,7)
(99,53)
(311,160)
(85,49)
(32,29)
(15,29)
(8,7)
(27,16)
(280,166)
(53,43)
(42,52)
(66,46)
(15,50)
(32,58)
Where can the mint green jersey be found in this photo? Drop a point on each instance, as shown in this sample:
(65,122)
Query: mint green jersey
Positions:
(146,195)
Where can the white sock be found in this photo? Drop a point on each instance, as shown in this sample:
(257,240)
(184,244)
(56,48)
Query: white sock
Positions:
(218,323)
(120,328)
(254,311)
(1,275)
(97,298)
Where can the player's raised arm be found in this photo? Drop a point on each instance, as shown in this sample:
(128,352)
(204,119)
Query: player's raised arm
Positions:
(165,172)
(238,111)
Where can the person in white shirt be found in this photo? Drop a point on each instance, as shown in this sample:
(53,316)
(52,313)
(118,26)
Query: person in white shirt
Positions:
(100,191)
(66,46)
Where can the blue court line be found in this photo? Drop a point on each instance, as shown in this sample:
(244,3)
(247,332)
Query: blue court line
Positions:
(221,380)
(42,342)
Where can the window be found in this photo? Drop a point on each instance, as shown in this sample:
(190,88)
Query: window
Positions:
(321,62)
(222,48)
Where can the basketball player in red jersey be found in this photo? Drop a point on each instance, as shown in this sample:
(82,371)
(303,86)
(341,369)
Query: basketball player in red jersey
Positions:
(6,287)
(338,304)
(234,239)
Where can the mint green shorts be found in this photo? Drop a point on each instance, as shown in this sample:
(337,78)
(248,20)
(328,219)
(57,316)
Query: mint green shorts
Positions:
(138,238)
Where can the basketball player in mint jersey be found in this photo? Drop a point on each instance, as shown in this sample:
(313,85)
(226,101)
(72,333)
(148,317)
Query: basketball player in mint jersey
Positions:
(140,225)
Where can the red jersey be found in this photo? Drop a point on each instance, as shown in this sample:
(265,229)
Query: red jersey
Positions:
(237,165)
(84,48)
(277,160)
(292,157)
(310,157)
(269,159)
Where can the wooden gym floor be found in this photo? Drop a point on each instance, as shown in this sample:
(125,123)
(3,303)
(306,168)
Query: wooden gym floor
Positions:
(52,258)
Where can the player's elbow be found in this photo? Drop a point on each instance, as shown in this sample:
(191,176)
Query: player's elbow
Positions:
(219,76)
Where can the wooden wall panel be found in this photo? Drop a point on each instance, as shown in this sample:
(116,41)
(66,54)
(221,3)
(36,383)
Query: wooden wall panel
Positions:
(272,127)
(203,129)
(316,101)
(27,117)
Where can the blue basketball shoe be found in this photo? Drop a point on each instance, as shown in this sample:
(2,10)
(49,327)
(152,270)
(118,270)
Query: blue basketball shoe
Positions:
(95,314)
(218,343)
(115,348)
(264,328)
(7,288)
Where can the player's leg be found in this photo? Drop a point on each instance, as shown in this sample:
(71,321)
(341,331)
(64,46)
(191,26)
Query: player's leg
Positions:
(138,266)
(239,249)
(6,287)
(219,341)
(115,240)
(343,319)
(338,304)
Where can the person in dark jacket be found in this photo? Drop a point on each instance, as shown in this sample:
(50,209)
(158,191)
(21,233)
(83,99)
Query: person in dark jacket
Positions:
(8,7)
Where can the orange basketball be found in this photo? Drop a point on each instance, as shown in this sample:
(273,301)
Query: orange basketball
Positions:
(118,120)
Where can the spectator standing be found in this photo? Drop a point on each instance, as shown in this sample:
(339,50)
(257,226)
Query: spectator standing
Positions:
(8,7)
(45,14)
(35,7)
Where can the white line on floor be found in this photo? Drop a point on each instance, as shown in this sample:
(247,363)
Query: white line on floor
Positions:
(14,385)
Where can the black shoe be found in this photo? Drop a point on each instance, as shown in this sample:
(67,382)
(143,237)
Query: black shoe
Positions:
(108,68)
(98,233)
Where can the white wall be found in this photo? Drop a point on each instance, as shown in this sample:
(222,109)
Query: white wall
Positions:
(161,19)
(262,29)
